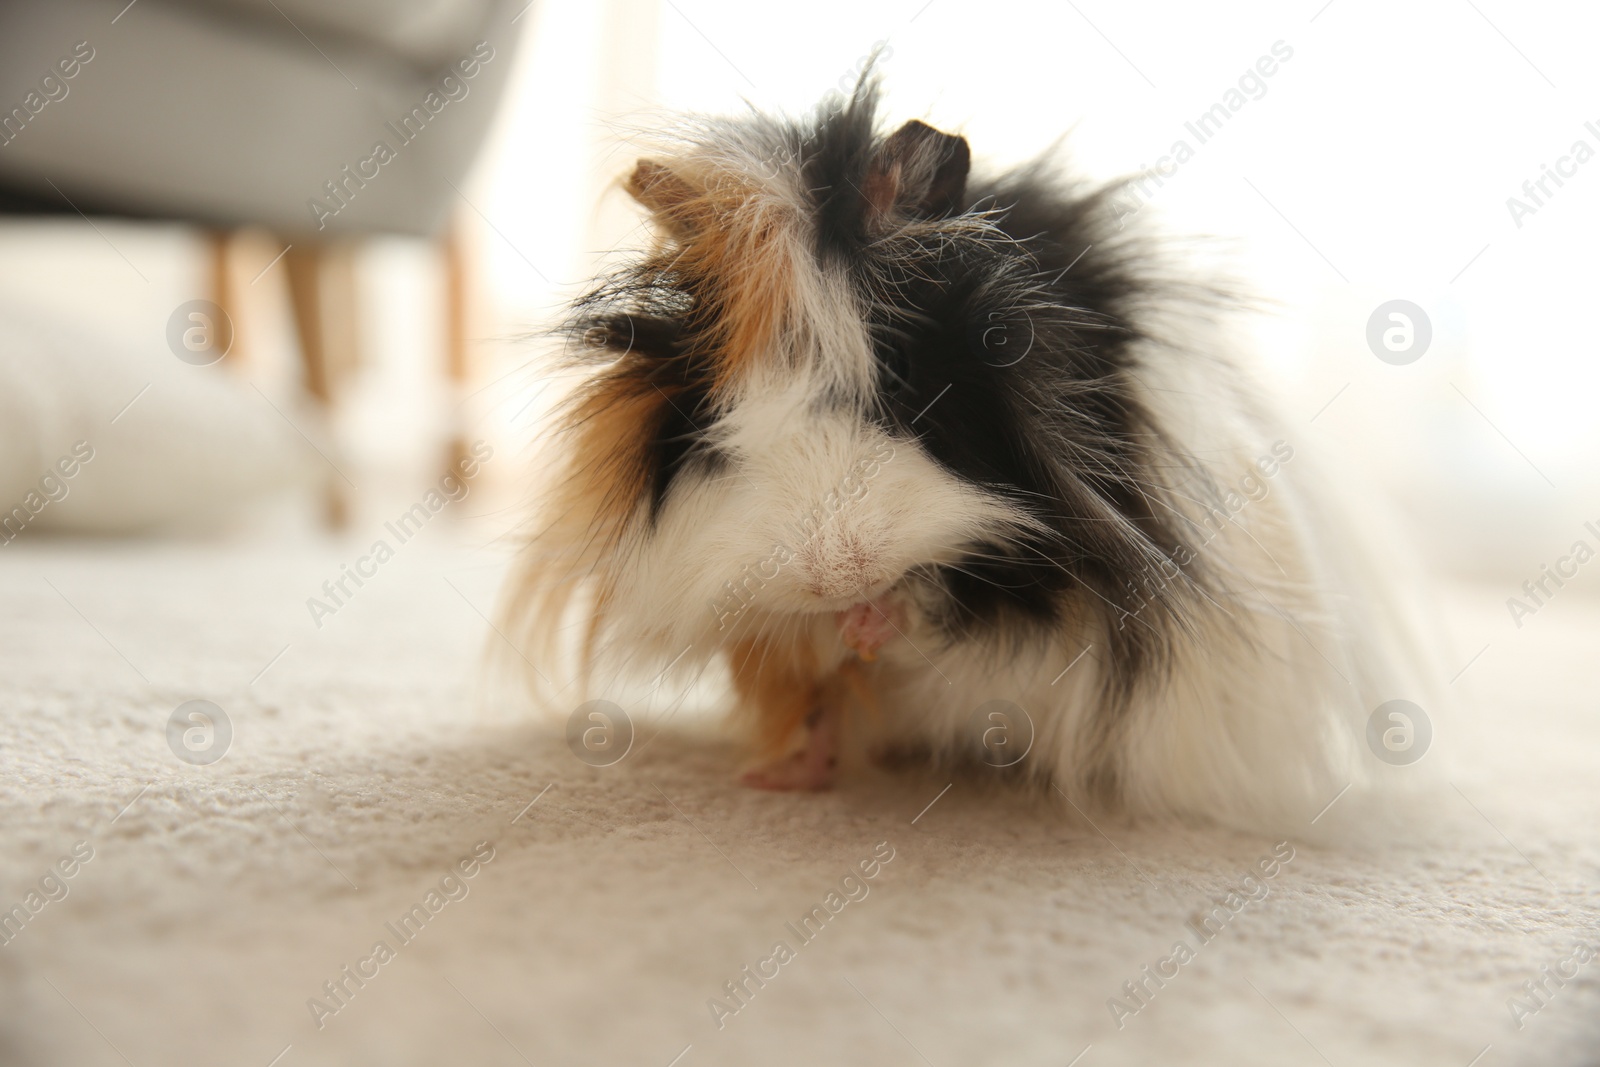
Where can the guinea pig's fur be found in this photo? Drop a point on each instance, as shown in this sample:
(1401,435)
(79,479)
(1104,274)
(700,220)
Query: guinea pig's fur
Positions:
(851,385)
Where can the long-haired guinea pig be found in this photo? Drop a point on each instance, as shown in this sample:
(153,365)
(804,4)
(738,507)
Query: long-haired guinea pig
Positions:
(949,467)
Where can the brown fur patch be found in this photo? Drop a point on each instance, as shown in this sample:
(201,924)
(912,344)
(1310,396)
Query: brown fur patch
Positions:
(590,501)
(732,240)
(778,686)
(609,426)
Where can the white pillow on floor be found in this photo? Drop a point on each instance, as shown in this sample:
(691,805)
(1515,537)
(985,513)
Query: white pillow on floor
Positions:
(196,445)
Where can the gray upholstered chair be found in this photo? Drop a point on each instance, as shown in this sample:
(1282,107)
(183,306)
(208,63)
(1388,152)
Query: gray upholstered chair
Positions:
(320,120)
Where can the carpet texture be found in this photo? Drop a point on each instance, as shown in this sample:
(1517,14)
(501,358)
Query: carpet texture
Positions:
(607,907)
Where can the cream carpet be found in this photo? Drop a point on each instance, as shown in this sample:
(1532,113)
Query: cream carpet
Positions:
(607,907)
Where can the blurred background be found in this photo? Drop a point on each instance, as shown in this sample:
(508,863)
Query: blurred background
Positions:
(274,282)
(184,160)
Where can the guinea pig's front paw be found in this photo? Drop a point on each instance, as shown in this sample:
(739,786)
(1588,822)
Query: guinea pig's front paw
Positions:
(794,773)
(808,769)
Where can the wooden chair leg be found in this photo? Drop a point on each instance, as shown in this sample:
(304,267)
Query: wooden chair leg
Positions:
(322,293)
(222,286)
(458,369)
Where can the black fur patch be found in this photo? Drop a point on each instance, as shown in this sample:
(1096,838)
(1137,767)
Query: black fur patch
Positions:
(1005,334)
(647,327)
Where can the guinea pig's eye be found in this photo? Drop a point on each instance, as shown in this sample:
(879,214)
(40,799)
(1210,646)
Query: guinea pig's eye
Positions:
(894,373)
(649,335)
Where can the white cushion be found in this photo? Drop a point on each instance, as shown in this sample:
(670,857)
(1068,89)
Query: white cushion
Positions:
(197,444)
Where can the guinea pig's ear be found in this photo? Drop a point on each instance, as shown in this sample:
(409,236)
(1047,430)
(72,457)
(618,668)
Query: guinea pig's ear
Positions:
(668,196)
(919,171)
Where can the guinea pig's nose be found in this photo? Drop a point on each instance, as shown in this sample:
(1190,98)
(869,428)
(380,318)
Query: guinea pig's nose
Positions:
(839,566)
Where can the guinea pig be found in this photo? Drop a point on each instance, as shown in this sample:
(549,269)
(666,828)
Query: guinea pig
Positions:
(952,467)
